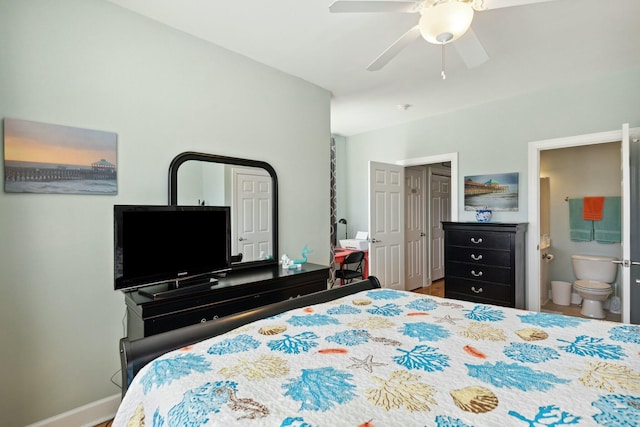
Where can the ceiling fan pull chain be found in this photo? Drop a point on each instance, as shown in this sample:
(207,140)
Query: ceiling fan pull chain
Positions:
(442,73)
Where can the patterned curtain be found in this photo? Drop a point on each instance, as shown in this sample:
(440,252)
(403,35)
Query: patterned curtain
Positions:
(333,219)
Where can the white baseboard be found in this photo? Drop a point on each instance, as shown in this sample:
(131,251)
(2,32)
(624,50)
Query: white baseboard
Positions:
(88,415)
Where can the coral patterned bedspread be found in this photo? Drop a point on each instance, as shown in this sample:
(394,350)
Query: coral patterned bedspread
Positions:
(391,358)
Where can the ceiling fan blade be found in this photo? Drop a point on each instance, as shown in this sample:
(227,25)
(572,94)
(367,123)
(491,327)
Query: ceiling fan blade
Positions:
(470,49)
(405,40)
(497,4)
(347,6)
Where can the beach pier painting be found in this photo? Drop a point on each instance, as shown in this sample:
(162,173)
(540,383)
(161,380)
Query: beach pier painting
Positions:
(47,158)
(497,192)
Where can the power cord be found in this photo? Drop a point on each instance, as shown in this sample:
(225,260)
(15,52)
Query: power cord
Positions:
(124,325)
(113,381)
(124,333)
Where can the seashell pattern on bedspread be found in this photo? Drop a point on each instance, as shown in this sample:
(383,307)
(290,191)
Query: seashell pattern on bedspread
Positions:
(392,358)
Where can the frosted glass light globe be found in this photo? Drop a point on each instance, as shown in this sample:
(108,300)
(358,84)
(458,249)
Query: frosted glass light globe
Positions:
(445,22)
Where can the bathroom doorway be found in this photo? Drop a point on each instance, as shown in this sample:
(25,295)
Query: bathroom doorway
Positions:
(574,173)
(623,138)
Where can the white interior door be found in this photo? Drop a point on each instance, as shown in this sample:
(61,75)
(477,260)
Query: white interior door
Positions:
(634,294)
(626,225)
(386,224)
(252,222)
(440,209)
(415,228)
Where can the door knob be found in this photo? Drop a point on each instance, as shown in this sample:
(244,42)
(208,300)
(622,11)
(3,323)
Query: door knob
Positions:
(374,240)
(422,234)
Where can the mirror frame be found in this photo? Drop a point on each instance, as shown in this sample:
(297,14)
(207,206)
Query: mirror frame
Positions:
(213,158)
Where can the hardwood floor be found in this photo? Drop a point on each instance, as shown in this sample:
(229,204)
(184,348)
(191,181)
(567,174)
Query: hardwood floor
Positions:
(436,289)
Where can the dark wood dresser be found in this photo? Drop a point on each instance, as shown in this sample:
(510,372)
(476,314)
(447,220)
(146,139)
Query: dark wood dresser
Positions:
(239,291)
(485,262)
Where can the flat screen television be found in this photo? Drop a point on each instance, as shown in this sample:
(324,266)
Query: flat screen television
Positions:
(165,250)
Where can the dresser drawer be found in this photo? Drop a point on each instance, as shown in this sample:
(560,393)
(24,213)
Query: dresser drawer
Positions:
(478,256)
(484,273)
(211,312)
(191,317)
(478,291)
(479,239)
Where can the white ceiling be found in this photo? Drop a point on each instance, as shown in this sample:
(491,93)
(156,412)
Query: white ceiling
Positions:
(530,47)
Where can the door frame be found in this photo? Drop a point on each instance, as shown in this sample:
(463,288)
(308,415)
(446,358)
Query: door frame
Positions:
(440,158)
(431,171)
(452,158)
(533,232)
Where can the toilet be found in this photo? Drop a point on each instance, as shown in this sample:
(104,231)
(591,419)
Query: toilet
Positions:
(594,276)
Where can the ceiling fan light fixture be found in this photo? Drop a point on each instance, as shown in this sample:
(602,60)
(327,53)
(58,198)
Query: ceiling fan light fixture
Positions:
(445,21)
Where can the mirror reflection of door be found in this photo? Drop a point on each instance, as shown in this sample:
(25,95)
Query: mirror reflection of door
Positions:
(251,227)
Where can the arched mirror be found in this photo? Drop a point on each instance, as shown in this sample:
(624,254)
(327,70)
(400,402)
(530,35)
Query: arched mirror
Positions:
(250,187)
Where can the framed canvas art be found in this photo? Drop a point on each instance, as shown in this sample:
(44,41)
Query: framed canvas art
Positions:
(48,158)
(497,192)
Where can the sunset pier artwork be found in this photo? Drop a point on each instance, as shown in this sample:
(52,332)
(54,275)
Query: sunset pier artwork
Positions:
(496,192)
(101,170)
(491,186)
(56,159)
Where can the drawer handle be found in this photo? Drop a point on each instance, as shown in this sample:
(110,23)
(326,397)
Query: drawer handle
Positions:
(476,241)
(476,257)
(478,274)
(477,291)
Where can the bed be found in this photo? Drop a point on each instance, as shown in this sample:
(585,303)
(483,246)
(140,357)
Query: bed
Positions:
(360,355)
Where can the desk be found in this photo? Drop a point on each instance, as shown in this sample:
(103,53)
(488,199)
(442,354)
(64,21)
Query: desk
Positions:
(340,256)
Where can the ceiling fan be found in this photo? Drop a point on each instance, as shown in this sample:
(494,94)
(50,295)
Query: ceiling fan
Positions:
(441,22)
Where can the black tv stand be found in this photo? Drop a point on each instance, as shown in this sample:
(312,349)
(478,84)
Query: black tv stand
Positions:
(176,288)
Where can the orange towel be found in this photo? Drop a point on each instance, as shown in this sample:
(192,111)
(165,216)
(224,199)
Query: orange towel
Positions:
(592,208)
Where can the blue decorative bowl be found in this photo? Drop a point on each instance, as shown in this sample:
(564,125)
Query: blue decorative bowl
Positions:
(483,215)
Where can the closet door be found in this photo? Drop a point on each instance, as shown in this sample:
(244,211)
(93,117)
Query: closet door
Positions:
(415,228)
(440,202)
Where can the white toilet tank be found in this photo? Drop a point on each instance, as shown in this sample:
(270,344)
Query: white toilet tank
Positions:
(593,267)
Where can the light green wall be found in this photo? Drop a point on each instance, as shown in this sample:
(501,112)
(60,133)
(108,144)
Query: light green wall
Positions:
(494,137)
(91,64)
